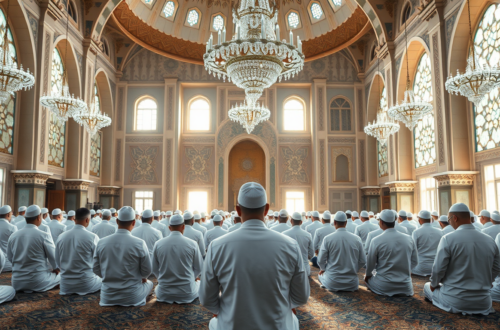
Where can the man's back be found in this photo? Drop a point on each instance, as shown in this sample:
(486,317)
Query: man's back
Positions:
(195,235)
(200,228)
(370,237)
(104,229)
(311,229)
(320,235)
(162,228)
(56,229)
(148,234)
(234,227)
(363,230)
(491,231)
(6,230)
(261,275)
(303,238)
(213,234)
(426,239)
(351,226)
(281,227)
(409,226)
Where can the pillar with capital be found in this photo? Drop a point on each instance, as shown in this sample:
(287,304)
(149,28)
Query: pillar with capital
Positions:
(109,196)
(402,195)
(30,187)
(371,198)
(76,193)
(455,187)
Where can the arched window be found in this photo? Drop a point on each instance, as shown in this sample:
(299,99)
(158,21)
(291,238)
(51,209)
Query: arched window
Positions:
(316,11)
(340,115)
(193,18)
(383,167)
(487,115)
(149,3)
(293,20)
(218,22)
(406,13)
(72,11)
(293,115)
(423,134)
(342,168)
(199,115)
(95,141)
(169,8)
(145,114)
(7,110)
(57,129)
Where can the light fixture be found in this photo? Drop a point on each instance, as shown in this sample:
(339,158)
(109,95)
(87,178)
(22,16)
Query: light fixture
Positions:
(61,103)
(412,108)
(249,115)
(12,77)
(479,78)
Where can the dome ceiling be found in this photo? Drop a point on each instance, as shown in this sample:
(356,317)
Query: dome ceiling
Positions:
(170,30)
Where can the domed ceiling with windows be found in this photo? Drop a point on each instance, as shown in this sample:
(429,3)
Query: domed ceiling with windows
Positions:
(179,29)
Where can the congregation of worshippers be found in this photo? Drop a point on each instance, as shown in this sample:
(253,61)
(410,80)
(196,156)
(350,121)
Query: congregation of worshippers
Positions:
(230,260)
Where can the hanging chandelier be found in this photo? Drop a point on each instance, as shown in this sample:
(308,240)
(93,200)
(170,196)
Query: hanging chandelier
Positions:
(479,78)
(255,58)
(12,77)
(249,115)
(412,108)
(61,103)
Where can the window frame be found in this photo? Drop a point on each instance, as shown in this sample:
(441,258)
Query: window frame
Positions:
(134,198)
(176,6)
(304,110)
(74,10)
(200,16)
(311,16)
(149,5)
(288,27)
(425,191)
(194,190)
(188,115)
(295,189)
(335,8)
(212,18)
(136,108)
(330,130)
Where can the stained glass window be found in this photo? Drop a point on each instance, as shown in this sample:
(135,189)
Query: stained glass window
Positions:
(95,154)
(97,100)
(218,23)
(7,112)
(293,20)
(487,46)
(56,81)
(169,8)
(383,166)
(423,134)
(316,10)
(193,17)
(57,129)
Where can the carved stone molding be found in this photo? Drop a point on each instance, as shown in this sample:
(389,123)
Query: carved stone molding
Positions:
(76,184)
(455,178)
(341,140)
(370,191)
(108,190)
(6,159)
(429,8)
(486,155)
(30,177)
(426,169)
(144,139)
(401,186)
(305,140)
(201,139)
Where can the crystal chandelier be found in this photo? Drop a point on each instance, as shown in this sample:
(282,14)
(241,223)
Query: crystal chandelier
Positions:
(412,108)
(254,58)
(249,115)
(61,103)
(479,78)
(12,77)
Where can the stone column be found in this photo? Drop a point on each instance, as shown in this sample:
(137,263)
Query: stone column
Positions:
(109,196)
(30,188)
(455,187)
(371,198)
(402,195)
(76,192)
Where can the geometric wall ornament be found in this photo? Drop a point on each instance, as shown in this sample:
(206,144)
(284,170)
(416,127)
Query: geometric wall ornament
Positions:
(198,166)
(455,178)
(108,190)
(294,167)
(401,186)
(370,191)
(144,165)
(75,184)
(30,177)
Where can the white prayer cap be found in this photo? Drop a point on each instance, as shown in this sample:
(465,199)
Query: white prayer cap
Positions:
(435,214)
(409,215)
(126,213)
(340,217)
(252,195)
(213,213)
(348,212)
(176,212)
(364,214)
(6,209)
(65,216)
(169,213)
(92,212)
(44,210)
(186,211)
(197,216)
(156,214)
(217,218)
(112,210)
(485,213)
(203,215)
(496,212)
(424,214)
(495,217)
(315,214)
(387,216)
(370,213)
(56,211)
(71,213)
(472,215)
(296,216)
(21,209)
(459,207)
(179,212)
(327,215)
(402,213)
(106,213)
(222,213)
(147,213)
(32,211)
(188,215)
(99,211)
(276,214)
(308,213)
(283,213)
(443,218)
(176,219)
(63,212)
(162,213)
(303,213)
(355,214)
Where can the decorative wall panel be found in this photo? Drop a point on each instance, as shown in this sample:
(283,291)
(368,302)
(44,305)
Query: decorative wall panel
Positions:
(95,154)
(295,165)
(362,168)
(438,101)
(143,164)
(168,172)
(322,174)
(198,165)
(57,141)
(118,160)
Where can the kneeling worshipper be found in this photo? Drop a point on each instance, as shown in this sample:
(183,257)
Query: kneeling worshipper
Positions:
(123,263)
(445,225)
(322,232)
(467,262)
(494,228)
(283,218)
(55,225)
(146,232)
(7,293)
(341,257)
(391,257)
(105,228)
(43,226)
(426,239)
(190,232)
(495,290)
(6,230)
(261,272)
(303,238)
(365,228)
(74,256)
(372,235)
(28,250)
(237,223)
(177,264)
(215,232)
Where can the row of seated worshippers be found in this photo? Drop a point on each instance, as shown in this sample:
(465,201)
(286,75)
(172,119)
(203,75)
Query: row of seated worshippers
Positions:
(230,261)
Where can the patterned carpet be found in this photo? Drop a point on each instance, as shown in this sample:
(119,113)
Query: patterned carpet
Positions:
(325,310)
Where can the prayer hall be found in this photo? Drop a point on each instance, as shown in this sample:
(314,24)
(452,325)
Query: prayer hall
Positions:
(249,164)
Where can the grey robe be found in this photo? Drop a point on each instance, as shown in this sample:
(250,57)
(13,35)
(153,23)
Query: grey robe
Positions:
(6,230)
(104,229)
(56,229)
(426,239)
(7,293)
(303,238)
(149,235)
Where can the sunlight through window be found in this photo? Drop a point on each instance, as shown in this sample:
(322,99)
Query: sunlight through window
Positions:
(294,115)
(199,115)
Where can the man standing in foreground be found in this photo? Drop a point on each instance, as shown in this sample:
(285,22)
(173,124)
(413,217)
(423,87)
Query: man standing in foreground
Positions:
(261,272)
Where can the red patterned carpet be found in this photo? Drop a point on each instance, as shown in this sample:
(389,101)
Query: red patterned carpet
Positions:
(325,310)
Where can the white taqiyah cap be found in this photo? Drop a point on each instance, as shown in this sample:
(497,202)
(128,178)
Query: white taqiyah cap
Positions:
(99,211)
(472,215)
(435,213)
(303,213)
(147,213)
(495,217)
(459,207)
(355,214)
(443,218)
(252,195)
(402,213)
(213,213)
(203,214)
(364,214)
(32,211)
(44,210)
(270,213)
(21,209)
(485,213)
(315,214)
(276,214)
(370,213)
(169,213)
(162,213)
(106,213)
(175,220)
(217,218)
(137,212)
(340,217)
(387,216)
(409,215)
(177,212)
(112,210)
(197,216)
(348,212)
(222,213)
(296,216)
(156,213)
(5,209)
(283,213)
(63,212)
(496,212)
(308,213)
(56,211)
(71,213)
(424,214)
(92,212)
(188,215)
(327,216)
(126,213)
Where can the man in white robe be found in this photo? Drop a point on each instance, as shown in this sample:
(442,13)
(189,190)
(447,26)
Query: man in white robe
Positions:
(435,219)
(177,264)
(237,224)
(190,232)
(166,220)
(303,238)
(414,222)
(397,226)
(307,220)
(146,232)
(403,222)
(475,222)
(123,263)
(55,225)
(6,230)
(197,225)
(283,219)
(391,256)
(467,262)
(261,272)
(158,226)
(426,239)
(70,222)
(311,229)
(494,229)
(216,232)
(322,232)
(485,219)
(74,256)
(351,226)
(365,228)
(112,221)
(372,235)
(28,250)
(340,258)
(7,293)
(356,219)
(138,221)
(209,224)
(45,216)
(21,210)
(105,228)
(445,225)
(20,220)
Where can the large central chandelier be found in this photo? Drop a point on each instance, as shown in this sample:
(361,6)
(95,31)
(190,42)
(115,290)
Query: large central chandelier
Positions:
(479,78)
(249,115)
(254,58)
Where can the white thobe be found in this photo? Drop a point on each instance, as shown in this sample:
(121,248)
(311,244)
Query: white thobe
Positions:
(112,222)
(392,255)
(448,229)
(262,277)
(363,230)
(138,223)
(149,235)
(200,228)
(305,224)
(20,222)
(303,238)
(56,229)
(435,224)
(495,290)
(46,229)
(488,224)
(165,222)
(374,221)
(233,228)
(177,262)
(409,226)
(351,226)
(7,293)
(104,229)
(195,235)
(74,257)
(341,256)
(401,229)
(28,250)
(492,231)
(280,227)
(415,223)
(372,235)
(6,230)
(209,224)
(320,235)
(95,220)
(69,224)
(426,239)
(162,228)
(478,225)
(311,229)
(358,221)
(122,261)
(466,264)
(214,233)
